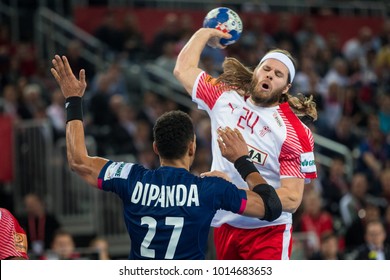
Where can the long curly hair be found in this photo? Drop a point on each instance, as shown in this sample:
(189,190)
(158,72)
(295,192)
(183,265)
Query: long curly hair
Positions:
(239,77)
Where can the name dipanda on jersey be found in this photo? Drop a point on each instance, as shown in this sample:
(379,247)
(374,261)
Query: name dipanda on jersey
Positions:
(165,196)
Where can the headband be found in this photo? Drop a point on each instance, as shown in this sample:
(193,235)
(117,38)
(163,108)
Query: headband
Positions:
(283,59)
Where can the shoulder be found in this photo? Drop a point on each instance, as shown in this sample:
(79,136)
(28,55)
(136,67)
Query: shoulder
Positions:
(297,131)
(217,181)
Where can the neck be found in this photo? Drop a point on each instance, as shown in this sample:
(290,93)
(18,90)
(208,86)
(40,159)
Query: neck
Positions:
(178,163)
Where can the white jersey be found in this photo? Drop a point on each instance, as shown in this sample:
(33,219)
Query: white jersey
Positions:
(279,144)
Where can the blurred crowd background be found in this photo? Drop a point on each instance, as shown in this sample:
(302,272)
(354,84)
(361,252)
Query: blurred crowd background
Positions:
(129,49)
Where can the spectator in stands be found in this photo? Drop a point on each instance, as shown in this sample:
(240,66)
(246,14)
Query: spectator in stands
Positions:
(25,55)
(152,107)
(344,132)
(374,150)
(326,56)
(100,246)
(109,33)
(302,82)
(284,35)
(337,74)
(255,37)
(332,104)
(384,34)
(169,32)
(357,47)
(62,247)
(385,185)
(147,157)
(354,234)
(382,66)
(384,113)
(167,59)
(354,201)
(353,108)
(13,240)
(133,39)
(143,135)
(40,225)
(387,224)
(11,101)
(75,55)
(334,185)
(374,247)
(6,48)
(123,132)
(112,80)
(329,248)
(56,113)
(314,219)
(308,32)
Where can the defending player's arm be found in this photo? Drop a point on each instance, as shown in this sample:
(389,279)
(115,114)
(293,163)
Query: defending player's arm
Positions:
(234,148)
(73,90)
(187,69)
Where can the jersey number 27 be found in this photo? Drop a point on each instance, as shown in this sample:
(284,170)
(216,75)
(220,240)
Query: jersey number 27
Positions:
(176,222)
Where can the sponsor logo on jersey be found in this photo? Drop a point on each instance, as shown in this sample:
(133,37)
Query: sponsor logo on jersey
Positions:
(117,170)
(277,119)
(308,164)
(256,155)
(165,196)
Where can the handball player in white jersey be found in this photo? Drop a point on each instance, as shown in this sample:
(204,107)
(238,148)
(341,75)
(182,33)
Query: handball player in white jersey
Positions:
(258,104)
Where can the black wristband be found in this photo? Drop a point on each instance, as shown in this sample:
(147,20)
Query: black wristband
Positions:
(245,166)
(74,108)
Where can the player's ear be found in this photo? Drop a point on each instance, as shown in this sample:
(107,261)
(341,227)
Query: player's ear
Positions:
(155,148)
(192,148)
(285,90)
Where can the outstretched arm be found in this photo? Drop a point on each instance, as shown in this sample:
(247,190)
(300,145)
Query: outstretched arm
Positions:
(187,69)
(85,166)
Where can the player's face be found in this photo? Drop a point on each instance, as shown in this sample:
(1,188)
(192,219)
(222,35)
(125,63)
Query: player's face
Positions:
(269,82)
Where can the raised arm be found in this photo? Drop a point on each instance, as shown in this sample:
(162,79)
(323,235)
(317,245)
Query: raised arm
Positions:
(73,90)
(187,63)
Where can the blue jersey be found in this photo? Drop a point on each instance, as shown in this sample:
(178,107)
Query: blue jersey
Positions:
(168,211)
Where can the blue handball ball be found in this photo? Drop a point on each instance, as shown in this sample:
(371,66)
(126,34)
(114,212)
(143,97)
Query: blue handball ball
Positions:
(226,20)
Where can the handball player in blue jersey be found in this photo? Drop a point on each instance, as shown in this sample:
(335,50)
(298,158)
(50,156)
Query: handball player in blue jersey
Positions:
(167,211)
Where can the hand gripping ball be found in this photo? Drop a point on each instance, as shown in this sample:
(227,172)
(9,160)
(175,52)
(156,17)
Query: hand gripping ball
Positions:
(226,20)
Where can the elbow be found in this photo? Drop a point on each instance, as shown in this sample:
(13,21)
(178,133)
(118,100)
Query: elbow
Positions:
(295,202)
(74,166)
(77,164)
(177,71)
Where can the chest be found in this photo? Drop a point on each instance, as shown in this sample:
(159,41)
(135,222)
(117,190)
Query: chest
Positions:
(262,128)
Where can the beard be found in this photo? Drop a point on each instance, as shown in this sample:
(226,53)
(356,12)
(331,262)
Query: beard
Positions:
(264,98)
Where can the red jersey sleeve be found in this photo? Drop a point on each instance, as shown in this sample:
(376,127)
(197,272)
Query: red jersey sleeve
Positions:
(207,90)
(296,156)
(13,239)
